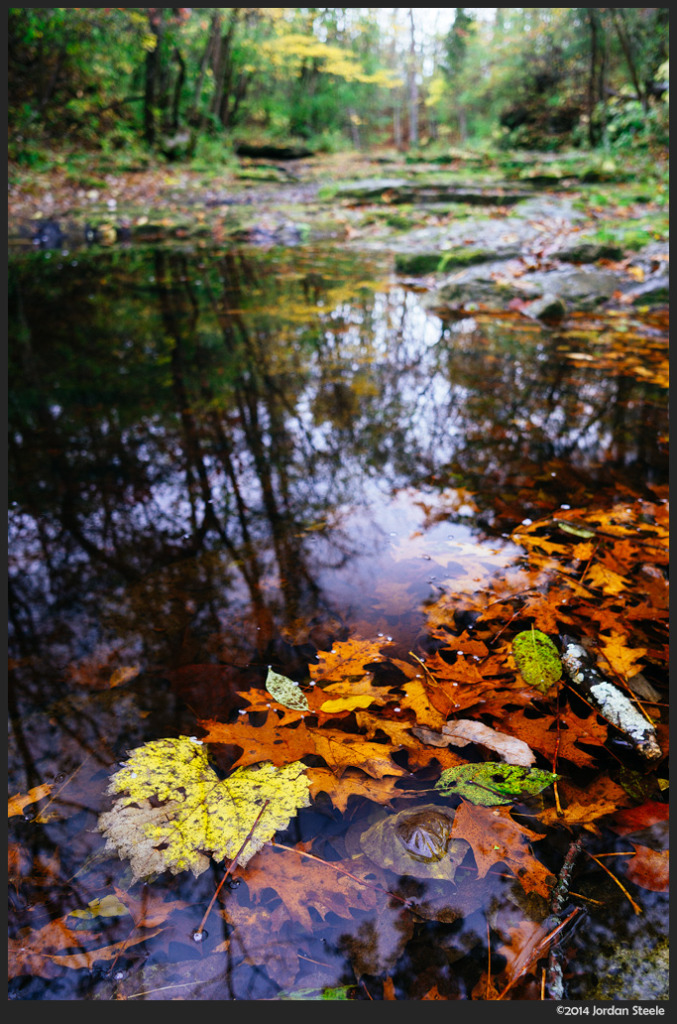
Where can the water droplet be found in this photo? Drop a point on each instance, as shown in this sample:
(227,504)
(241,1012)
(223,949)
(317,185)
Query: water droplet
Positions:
(565,506)
(198,936)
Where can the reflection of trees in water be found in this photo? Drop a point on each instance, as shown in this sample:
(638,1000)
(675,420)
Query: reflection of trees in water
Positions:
(186,435)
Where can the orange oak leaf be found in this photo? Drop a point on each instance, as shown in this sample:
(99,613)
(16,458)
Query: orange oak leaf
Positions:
(584,805)
(347,659)
(416,697)
(542,734)
(495,837)
(625,661)
(342,750)
(352,783)
(282,744)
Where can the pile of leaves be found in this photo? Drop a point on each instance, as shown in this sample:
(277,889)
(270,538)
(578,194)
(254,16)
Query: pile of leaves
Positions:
(437,773)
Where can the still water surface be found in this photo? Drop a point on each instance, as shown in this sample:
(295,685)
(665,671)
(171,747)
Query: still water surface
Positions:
(222,460)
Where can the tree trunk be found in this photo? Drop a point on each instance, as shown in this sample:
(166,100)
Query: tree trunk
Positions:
(210,52)
(413,86)
(622,33)
(176,103)
(152,75)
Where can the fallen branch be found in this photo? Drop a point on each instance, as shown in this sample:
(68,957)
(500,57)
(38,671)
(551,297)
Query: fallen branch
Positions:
(608,700)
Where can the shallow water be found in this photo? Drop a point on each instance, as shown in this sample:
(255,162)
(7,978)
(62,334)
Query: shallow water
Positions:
(222,460)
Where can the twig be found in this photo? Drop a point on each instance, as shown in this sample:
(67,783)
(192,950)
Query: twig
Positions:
(555,985)
(637,909)
(198,933)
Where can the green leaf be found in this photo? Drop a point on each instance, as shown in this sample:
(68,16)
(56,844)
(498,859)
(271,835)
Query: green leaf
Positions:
(575,529)
(492,783)
(537,659)
(340,993)
(285,691)
(173,810)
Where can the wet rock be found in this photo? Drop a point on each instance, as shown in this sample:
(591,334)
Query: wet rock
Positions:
(396,190)
(549,308)
(590,252)
(48,235)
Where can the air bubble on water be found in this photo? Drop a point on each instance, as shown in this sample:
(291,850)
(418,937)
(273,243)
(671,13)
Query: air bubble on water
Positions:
(565,506)
(198,936)
(242,711)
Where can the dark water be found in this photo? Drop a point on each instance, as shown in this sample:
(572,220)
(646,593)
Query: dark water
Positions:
(223,460)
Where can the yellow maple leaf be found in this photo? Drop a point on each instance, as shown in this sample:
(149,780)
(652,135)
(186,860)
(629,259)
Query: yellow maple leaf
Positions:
(172,809)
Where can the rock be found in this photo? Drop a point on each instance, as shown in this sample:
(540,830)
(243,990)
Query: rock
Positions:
(48,235)
(548,307)
(590,252)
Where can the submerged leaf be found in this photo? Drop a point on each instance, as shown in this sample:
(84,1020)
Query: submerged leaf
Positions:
(286,691)
(174,810)
(537,659)
(416,843)
(492,783)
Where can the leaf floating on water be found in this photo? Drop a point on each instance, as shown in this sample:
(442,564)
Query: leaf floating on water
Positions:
(285,691)
(492,783)
(173,810)
(575,528)
(107,906)
(537,659)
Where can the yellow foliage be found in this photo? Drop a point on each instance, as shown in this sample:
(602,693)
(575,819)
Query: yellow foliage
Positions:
(173,810)
(290,50)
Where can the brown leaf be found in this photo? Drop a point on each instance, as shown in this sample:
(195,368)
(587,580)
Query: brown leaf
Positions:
(649,868)
(495,837)
(303,883)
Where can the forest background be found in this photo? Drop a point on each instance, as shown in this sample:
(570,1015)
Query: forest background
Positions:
(135,84)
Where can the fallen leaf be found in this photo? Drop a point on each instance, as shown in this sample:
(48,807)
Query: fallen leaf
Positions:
(172,810)
(491,783)
(537,659)
(649,868)
(495,837)
(16,804)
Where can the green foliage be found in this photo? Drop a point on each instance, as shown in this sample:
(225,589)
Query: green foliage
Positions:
(173,812)
(493,783)
(537,659)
